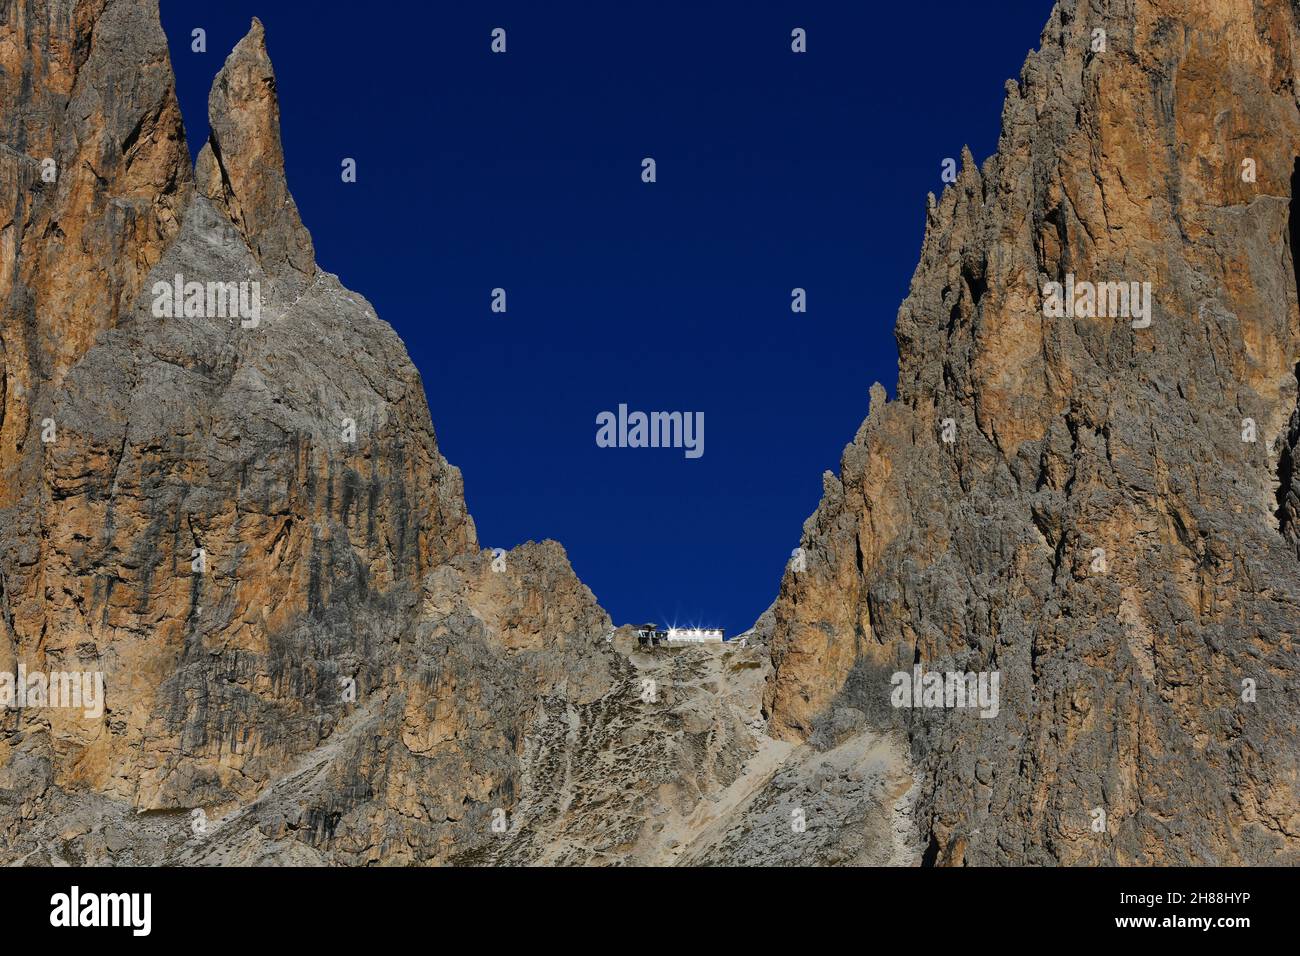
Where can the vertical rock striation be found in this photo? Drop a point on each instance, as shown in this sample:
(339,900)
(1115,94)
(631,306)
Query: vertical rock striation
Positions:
(1112,528)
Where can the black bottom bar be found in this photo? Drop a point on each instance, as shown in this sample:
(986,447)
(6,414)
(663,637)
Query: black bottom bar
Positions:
(337,907)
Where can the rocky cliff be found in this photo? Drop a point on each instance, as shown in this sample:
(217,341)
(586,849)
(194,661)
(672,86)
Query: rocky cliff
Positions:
(1101,508)
(220,488)
(239,516)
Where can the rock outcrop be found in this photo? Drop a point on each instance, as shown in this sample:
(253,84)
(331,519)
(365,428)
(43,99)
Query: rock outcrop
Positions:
(241,166)
(1098,509)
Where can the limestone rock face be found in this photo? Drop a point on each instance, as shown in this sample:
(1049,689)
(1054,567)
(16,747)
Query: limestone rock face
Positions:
(1100,510)
(93,175)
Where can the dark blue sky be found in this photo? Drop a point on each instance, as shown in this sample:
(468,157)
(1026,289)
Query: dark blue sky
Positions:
(523,171)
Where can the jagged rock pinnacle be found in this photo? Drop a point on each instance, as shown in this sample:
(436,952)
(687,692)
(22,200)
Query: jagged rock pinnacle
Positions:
(241,167)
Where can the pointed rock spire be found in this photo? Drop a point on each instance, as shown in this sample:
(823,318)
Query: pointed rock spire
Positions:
(241,167)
